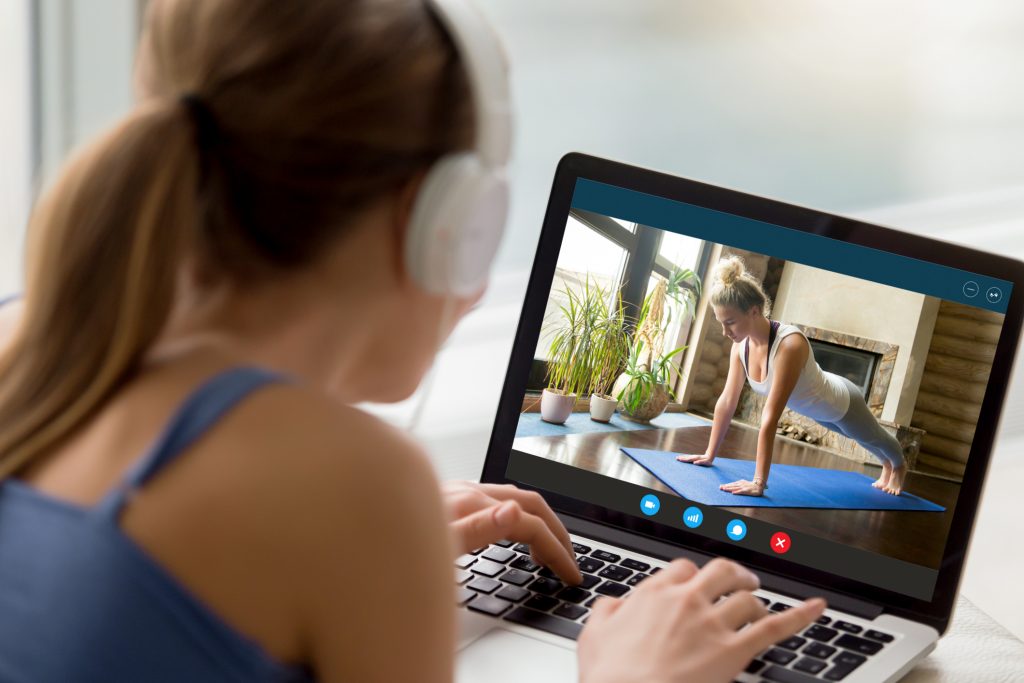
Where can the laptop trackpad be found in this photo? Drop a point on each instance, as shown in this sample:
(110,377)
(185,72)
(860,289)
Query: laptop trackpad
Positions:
(502,656)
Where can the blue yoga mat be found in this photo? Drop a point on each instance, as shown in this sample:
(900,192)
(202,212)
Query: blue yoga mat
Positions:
(789,486)
(530,424)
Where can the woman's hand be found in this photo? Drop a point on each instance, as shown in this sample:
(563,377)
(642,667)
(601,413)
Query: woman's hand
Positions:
(695,459)
(480,514)
(744,488)
(678,626)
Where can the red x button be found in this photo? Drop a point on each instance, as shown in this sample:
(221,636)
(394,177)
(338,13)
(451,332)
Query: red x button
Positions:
(781,542)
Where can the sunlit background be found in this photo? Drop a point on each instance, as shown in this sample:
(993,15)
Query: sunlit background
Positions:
(910,112)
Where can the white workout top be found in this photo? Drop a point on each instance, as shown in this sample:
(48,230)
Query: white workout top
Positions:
(818,394)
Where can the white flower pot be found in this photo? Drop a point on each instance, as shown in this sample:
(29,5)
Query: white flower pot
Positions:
(556,407)
(602,408)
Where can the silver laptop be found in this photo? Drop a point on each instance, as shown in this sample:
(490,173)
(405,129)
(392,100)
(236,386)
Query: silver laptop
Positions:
(925,329)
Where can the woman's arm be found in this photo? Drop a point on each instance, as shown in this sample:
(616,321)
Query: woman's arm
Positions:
(789,363)
(725,408)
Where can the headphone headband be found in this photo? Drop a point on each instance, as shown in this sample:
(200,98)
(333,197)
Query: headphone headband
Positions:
(487,67)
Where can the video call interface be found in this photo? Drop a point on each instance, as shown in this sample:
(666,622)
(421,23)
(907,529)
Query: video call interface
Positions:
(634,355)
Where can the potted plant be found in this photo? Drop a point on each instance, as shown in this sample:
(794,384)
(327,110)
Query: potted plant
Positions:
(681,287)
(643,388)
(609,350)
(570,353)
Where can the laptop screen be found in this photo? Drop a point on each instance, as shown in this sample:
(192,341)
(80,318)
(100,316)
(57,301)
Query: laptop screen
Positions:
(852,392)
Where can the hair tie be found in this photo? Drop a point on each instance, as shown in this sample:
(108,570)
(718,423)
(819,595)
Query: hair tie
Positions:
(203,120)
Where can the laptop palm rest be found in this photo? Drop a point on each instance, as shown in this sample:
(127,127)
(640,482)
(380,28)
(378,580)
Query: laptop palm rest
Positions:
(527,659)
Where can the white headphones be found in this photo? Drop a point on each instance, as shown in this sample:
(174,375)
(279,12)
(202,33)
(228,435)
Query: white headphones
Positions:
(458,217)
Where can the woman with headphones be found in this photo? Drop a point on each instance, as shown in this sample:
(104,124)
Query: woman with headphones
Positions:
(305,199)
(777,361)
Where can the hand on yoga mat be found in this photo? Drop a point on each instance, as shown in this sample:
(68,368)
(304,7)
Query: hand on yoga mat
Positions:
(744,488)
(481,514)
(696,459)
(685,625)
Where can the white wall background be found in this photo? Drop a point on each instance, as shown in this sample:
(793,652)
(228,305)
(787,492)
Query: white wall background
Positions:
(15,137)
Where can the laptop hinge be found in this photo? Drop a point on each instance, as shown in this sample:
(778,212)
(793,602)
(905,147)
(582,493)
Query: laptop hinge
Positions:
(666,551)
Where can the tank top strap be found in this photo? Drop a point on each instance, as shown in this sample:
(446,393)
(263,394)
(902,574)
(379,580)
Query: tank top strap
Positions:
(203,408)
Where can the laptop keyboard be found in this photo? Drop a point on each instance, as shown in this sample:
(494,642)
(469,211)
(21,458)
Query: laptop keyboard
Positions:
(502,581)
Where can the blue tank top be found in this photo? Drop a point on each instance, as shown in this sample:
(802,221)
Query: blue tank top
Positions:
(80,601)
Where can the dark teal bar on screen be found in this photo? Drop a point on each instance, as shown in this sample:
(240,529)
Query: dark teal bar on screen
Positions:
(789,244)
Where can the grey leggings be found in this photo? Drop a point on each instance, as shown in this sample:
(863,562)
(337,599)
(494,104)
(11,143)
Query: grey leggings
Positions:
(860,425)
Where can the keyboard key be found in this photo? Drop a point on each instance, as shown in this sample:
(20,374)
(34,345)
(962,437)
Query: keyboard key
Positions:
(818,650)
(573,594)
(541,602)
(793,643)
(501,555)
(763,599)
(512,593)
(589,564)
(589,581)
(524,563)
(478,551)
(616,590)
(809,665)
(462,576)
(489,605)
(463,561)
(824,621)
(635,579)
(779,607)
(654,570)
(615,573)
(482,584)
(851,658)
(847,626)
(591,601)
(605,556)
(547,573)
(569,611)
(546,586)
(777,673)
(879,636)
(821,633)
(841,669)
(754,666)
(504,543)
(777,656)
(545,622)
(487,568)
(464,595)
(864,647)
(522,548)
(635,564)
(580,548)
(516,577)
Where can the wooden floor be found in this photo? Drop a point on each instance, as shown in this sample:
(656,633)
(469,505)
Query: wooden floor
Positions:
(917,537)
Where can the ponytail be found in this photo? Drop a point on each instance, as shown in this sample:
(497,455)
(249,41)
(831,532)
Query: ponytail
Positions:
(103,250)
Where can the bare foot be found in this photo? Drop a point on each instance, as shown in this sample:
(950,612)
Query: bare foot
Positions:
(883,480)
(895,485)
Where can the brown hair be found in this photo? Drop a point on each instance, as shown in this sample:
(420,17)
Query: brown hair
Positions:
(734,286)
(317,108)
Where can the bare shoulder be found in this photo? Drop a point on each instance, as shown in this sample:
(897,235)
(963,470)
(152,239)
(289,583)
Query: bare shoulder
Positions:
(308,446)
(795,347)
(286,498)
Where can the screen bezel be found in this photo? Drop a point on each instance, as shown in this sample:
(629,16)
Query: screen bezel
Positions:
(577,165)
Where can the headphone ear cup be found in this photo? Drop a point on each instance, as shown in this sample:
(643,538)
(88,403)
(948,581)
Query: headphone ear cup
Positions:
(456,225)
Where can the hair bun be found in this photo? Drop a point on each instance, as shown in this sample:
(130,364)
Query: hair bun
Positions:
(729,270)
